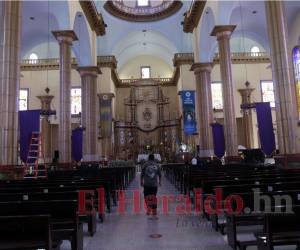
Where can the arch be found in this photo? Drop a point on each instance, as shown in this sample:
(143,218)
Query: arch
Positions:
(82,47)
(250,21)
(144,43)
(206,41)
(39,19)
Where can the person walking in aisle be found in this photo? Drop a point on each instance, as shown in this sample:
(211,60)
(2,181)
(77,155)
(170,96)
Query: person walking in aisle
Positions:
(150,179)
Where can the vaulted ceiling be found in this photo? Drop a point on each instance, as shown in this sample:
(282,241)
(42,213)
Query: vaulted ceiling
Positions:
(162,38)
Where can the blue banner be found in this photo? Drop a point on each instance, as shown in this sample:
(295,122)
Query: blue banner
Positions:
(29,121)
(189,115)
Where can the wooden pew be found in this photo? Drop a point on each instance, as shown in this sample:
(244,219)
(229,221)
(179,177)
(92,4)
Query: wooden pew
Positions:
(25,232)
(64,219)
(280,230)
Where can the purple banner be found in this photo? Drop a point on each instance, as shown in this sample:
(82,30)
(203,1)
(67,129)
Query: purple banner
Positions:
(77,135)
(29,122)
(218,139)
(265,127)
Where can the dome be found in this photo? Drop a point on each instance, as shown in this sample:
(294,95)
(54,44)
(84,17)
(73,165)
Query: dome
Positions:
(142,10)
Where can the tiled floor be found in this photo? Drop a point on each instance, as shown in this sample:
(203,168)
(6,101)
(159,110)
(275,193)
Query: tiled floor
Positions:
(131,231)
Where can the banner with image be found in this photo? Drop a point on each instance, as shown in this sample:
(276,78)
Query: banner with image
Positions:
(105,115)
(189,115)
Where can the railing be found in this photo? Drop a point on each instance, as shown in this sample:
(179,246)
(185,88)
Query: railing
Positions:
(245,55)
(44,62)
(179,56)
(183,57)
(107,59)
(164,80)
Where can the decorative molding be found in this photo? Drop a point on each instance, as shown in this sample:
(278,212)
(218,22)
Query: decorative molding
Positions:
(142,14)
(183,58)
(106,96)
(221,30)
(65,35)
(89,70)
(200,67)
(94,18)
(193,15)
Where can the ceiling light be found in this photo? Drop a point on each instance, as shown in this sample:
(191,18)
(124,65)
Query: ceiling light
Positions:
(254,12)
(31,18)
(144,30)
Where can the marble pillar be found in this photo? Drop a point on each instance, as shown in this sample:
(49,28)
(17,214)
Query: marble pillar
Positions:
(46,126)
(65,39)
(223,34)
(202,73)
(89,116)
(10,38)
(247,117)
(284,84)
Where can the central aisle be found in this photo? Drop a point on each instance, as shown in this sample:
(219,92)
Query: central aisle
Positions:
(130,231)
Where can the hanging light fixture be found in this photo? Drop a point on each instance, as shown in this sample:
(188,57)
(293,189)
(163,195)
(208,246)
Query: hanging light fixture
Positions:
(247,83)
(47,89)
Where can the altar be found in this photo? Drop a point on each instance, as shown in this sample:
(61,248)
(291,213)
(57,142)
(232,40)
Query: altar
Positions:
(148,125)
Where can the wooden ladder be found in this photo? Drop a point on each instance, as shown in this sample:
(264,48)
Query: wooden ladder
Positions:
(35,152)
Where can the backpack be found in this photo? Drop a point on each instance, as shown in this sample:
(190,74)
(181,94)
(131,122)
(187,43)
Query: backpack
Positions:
(150,171)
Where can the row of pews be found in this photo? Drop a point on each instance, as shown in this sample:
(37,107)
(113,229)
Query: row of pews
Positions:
(254,205)
(41,213)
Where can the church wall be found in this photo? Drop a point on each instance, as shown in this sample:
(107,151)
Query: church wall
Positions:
(36,81)
(121,94)
(159,68)
(254,73)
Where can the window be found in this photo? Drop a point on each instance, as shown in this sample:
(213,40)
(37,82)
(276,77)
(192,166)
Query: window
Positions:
(75,101)
(255,51)
(145,72)
(217,96)
(23,99)
(33,58)
(296,62)
(142,3)
(267,92)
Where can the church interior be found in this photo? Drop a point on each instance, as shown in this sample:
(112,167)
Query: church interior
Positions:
(91,91)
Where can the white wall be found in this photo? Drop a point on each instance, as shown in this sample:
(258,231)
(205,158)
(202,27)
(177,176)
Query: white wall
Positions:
(37,81)
(159,68)
(254,73)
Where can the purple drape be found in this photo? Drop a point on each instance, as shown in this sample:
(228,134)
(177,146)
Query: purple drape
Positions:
(29,122)
(265,127)
(77,135)
(218,139)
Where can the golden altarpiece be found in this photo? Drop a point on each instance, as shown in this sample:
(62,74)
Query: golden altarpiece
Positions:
(148,125)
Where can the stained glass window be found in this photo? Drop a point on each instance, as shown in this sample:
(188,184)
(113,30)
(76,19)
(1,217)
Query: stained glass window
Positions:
(217,96)
(145,72)
(296,62)
(267,92)
(75,101)
(23,99)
